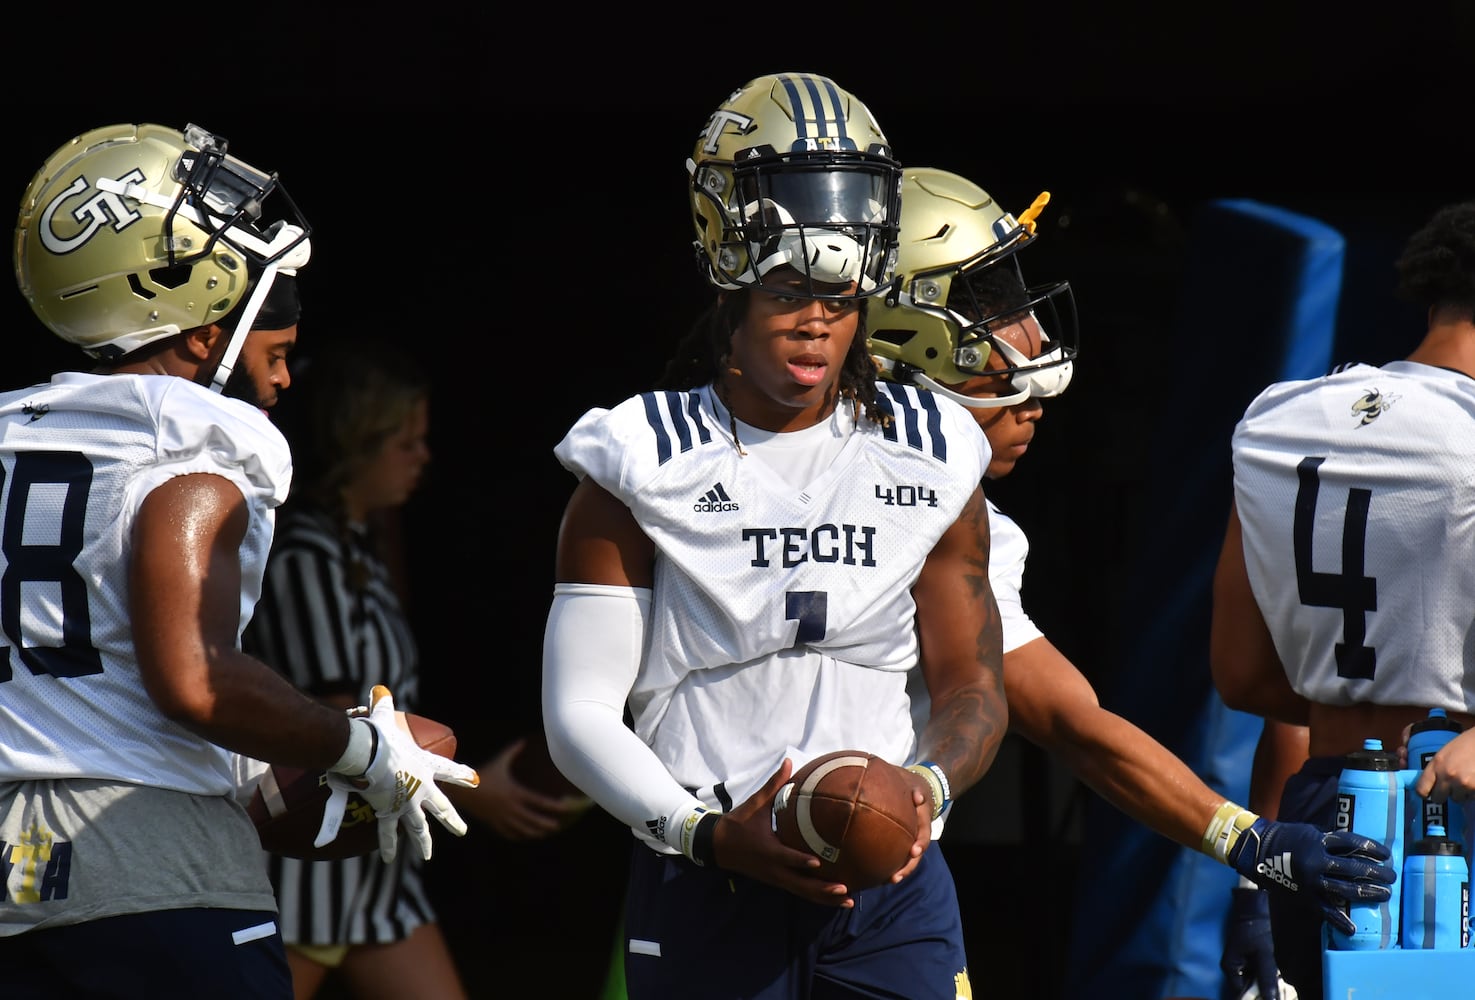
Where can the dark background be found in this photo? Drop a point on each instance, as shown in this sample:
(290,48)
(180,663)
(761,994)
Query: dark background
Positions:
(511,202)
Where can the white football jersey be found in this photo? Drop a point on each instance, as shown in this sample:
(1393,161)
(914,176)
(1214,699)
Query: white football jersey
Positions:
(1008,550)
(1357,496)
(782,620)
(78,455)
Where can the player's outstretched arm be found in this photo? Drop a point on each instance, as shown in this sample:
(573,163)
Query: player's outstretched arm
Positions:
(962,652)
(1052,704)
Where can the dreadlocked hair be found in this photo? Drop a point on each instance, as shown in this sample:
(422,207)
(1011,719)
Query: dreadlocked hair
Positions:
(1437,266)
(702,357)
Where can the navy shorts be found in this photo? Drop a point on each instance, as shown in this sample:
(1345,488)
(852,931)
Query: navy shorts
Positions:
(160,955)
(722,935)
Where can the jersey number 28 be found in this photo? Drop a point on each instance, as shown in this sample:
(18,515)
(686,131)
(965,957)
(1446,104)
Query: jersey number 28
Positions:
(41,549)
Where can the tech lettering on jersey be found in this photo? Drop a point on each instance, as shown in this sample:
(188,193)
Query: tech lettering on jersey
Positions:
(826,543)
(102,208)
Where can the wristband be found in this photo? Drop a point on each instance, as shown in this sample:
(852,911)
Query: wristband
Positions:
(358,756)
(703,850)
(942,793)
(1229,821)
(690,830)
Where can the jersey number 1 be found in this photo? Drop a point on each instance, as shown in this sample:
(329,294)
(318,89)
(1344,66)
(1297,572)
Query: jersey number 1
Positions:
(1349,590)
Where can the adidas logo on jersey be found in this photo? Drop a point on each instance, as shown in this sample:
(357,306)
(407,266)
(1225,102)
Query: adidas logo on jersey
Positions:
(715,499)
(1278,869)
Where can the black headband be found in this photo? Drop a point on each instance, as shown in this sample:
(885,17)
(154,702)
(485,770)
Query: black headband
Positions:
(281,308)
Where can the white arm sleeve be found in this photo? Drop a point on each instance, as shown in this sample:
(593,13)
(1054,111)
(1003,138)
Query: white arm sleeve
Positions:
(591,652)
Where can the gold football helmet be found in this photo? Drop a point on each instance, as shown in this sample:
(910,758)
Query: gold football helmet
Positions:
(131,233)
(958,281)
(793,170)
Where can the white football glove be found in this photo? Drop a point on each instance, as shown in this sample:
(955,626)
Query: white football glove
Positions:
(399,784)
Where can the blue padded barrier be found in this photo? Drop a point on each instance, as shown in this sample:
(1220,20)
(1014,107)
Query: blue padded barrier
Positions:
(1259,305)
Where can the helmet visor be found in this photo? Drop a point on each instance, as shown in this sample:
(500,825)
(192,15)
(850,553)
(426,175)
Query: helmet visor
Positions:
(833,221)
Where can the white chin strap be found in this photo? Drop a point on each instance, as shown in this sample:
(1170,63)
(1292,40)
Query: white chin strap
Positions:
(283,234)
(243,327)
(972,402)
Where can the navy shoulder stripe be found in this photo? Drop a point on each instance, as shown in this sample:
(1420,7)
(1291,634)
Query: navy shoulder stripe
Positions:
(915,419)
(676,420)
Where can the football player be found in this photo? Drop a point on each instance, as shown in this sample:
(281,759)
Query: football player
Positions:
(962,322)
(1343,591)
(755,558)
(138,503)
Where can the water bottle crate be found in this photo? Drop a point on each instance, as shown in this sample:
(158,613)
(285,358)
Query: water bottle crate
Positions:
(1396,973)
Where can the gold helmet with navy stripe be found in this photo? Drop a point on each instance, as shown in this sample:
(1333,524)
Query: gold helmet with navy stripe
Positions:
(132,233)
(792,169)
(957,283)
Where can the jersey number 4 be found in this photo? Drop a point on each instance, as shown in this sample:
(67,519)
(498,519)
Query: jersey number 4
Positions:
(1350,590)
(41,537)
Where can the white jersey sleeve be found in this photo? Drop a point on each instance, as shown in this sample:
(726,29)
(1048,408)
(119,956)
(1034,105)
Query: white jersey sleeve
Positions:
(1356,493)
(78,456)
(1008,550)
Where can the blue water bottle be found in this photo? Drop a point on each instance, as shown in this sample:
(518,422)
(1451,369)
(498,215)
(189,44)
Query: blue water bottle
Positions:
(1370,801)
(1436,893)
(1424,740)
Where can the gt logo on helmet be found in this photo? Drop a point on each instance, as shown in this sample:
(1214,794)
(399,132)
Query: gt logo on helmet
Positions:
(102,208)
(721,118)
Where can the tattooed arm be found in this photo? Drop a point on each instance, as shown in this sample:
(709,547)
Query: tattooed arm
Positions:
(962,652)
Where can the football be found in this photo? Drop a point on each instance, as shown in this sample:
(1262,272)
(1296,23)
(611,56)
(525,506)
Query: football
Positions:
(853,811)
(287,806)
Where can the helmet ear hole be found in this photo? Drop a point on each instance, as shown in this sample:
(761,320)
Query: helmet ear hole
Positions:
(169,277)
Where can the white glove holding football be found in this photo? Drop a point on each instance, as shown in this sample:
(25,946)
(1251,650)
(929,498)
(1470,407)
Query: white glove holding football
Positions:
(400,784)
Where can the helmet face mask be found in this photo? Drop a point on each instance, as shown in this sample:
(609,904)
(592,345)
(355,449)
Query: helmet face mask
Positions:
(959,285)
(793,170)
(231,192)
(130,234)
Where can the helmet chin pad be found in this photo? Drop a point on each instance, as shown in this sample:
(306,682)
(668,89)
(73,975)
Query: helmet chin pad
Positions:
(1046,375)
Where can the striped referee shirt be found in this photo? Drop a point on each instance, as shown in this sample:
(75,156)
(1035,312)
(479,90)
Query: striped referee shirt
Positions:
(329,619)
